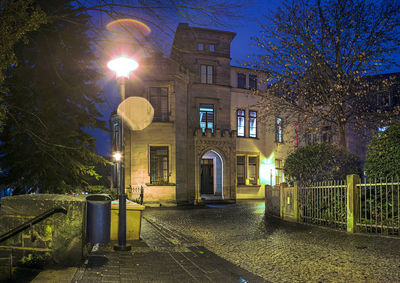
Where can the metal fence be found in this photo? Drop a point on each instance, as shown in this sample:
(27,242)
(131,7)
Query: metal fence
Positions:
(379,206)
(324,203)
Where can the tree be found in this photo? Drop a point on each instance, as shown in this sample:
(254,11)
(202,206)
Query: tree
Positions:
(383,155)
(317,59)
(51,92)
(51,100)
(16,19)
(320,162)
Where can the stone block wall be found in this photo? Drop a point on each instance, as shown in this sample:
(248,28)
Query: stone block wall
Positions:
(58,239)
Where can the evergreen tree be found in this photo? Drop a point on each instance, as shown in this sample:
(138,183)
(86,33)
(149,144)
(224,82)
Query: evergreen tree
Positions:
(51,99)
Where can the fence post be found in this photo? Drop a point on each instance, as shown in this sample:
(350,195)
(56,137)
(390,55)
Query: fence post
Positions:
(266,199)
(282,199)
(353,202)
(296,205)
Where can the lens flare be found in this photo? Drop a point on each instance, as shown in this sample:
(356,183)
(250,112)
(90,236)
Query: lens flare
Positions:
(128,27)
(122,66)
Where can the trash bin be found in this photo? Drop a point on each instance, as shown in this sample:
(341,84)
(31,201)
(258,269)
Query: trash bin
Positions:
(98,219)
(133,220)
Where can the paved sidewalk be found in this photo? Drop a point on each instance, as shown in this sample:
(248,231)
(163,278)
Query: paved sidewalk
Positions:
(161,256)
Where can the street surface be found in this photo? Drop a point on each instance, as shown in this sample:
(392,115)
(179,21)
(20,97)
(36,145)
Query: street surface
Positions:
(274,250)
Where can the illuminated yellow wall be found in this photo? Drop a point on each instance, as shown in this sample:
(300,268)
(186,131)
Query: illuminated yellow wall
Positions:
(264,146)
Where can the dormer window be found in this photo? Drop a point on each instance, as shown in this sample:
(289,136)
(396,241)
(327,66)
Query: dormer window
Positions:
(241,80)
(252,82)
(200,46)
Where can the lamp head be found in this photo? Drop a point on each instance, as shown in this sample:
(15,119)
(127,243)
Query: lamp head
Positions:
(117,156)
(122,66)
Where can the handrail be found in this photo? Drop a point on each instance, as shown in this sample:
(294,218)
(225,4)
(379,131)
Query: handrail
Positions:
(29,223)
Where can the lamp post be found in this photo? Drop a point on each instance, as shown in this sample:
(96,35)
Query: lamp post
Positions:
(122,67)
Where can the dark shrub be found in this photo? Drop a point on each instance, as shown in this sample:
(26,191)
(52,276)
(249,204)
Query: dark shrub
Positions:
(320,162)
(383,154)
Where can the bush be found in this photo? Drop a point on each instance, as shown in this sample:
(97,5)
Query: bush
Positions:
(320,162)
(383,154)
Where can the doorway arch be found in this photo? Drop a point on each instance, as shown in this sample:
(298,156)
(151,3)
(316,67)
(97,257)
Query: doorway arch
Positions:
(211,175)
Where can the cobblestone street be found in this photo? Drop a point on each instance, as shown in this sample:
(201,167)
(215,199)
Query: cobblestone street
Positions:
(280,251)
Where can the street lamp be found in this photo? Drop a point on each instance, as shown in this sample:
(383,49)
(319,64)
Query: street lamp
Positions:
(117,156)
(122,67)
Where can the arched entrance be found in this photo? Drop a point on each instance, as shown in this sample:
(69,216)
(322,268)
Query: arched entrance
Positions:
(211,175)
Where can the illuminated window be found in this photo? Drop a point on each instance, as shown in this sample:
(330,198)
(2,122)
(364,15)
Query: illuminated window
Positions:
(207,117)
(241,80)
(159,101)
(278,171)
(240,170)
(253,124)
(252,82)
(247,170)
(252,170)
(159,165)
(240,122)
(381,130)
(212,47)
(200,46)
(206,74)
(278,130)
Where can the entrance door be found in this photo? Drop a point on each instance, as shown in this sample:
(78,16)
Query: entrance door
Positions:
(207,176)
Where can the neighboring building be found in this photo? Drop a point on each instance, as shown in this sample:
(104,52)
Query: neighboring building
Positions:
(383,96)
(207,141)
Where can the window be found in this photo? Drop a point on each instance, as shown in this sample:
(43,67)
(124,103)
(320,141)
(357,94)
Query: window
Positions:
(116,139)
(252,82)
(278,130)
(159,101)
(253,176)
(206,74)
(207,117)
(200,46)
(159,165)
(384,100)
(241,166)
(326,134)
(241,83)
(253,124)
(278,171)
(212,47)
(247,170)
(382,130)
(309,138)
(240,122)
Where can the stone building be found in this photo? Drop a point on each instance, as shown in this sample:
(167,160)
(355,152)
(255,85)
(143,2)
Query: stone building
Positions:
(207,141)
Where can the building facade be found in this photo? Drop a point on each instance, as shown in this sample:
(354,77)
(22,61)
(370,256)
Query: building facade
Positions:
(207,140)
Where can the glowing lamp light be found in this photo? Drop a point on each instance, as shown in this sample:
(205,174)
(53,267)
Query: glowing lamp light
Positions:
(122,66)
(117,156)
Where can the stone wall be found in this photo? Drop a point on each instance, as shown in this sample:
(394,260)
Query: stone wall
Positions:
(59,239)
(289,199)
(272,200)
